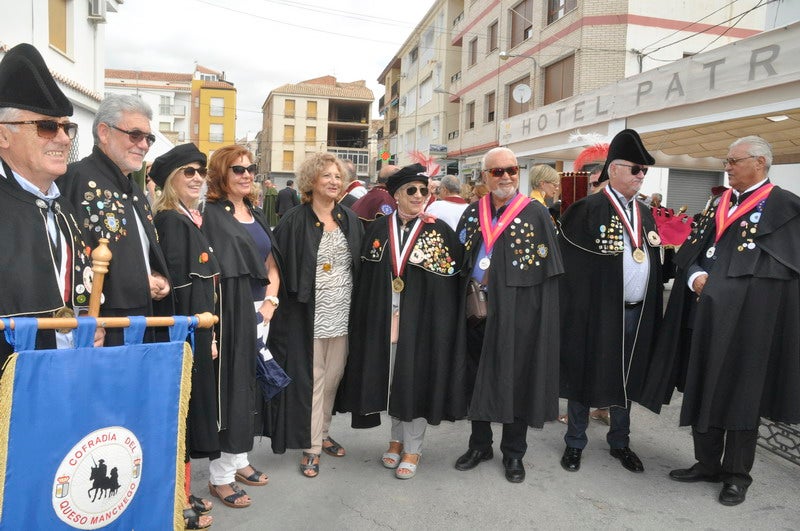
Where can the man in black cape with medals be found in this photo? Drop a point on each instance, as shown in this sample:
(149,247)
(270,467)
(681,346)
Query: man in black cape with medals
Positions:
(731,340)
(611,301)
(512,355)
(405,351)
(46,263)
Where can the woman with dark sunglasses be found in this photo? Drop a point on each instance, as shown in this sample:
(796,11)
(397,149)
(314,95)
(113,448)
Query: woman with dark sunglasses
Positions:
(180,173)
(319,242)
(249,284)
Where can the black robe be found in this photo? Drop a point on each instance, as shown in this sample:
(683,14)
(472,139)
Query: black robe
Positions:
(192,267)
(240,262)
(594,371)
(735,353)
(429,379)
(291,338)
(30,271)
(517,374)
(107,202)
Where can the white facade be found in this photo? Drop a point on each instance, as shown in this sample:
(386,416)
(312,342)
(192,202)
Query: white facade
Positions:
(79,67)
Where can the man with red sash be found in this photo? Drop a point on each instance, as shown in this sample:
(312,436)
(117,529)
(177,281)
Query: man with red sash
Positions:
(611,301)
(512,355)
(731,340)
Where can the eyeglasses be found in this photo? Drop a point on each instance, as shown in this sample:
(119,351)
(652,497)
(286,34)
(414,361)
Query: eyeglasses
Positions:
(412,190)
(136,136)
(190,171)
(498,172)
(239,170)
(49,128)
(731,162)
(635,168)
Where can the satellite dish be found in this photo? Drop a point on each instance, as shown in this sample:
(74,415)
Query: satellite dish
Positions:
(521,93)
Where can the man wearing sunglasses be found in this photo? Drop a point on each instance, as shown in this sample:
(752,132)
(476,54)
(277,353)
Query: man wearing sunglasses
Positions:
(111,205)
(512,255)
(611,301)
(731,324)
(45,264)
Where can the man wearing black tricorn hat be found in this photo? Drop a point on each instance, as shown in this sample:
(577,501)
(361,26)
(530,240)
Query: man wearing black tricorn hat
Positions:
(611,301)
(46,262)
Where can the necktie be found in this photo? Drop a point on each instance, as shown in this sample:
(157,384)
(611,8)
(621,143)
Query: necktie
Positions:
(737,200)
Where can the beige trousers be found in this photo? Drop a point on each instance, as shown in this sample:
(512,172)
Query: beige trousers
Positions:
(330,357)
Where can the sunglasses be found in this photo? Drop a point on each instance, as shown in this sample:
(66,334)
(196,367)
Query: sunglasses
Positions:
(412,190)
(49,128)
(498,172)
(190,171)
(239,170)
(635,168)
(595,184)
(731,162)
(136,136)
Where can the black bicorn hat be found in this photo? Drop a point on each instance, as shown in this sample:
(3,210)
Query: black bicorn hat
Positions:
(627,145)
(174,159)
(407,174)
(26,83)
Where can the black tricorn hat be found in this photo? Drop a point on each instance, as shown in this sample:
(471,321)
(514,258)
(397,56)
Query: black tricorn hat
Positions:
(407,174)
(627,145)
(173,159)
(26,83)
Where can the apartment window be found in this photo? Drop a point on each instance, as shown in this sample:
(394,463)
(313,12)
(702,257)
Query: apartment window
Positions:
(216,133)
(165,106)
(489,106)
(517,107)
(311,109)
(288,133)
(288,108)
(558,80)
(413,55)
(521,16)
(473,52)
(217,107)
(164,126)
(426,90)
(558,8)
(311,134)
(491,37)
(208,77)
(288,160)
(57,22)
(470,116)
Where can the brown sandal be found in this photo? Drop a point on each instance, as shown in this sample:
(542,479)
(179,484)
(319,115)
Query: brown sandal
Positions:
(253,479)
(309,465)
(334,449)
(230,501)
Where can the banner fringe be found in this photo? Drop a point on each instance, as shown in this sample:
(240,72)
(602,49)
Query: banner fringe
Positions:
(180,458)
(6,397)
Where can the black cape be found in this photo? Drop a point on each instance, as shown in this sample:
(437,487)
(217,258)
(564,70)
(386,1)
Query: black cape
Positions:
(105,201)
(28,265)
(429,379)
(239,260)
(593,369)
(192,267)
(517,374)
(735,353)
(291,338)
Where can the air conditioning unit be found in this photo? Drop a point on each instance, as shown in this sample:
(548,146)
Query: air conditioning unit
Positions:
(97,11)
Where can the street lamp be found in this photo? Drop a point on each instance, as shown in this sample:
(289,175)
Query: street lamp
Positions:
(443,91)
(505,56)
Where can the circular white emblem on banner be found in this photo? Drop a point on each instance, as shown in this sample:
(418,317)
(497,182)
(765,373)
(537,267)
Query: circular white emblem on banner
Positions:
(98,478)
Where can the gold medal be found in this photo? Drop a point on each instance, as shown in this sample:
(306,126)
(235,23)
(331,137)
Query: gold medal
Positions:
(64,313)
(398,285)
(327,267)
(638,255)
(653,238)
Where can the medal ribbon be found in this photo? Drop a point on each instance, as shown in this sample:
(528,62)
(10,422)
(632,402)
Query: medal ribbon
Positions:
(400,256)
(723,220)
(492,231)
(635,230)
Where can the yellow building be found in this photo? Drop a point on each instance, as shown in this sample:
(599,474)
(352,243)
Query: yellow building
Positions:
(213,110)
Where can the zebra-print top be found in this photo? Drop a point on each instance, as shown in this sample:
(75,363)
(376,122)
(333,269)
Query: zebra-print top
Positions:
(334,286)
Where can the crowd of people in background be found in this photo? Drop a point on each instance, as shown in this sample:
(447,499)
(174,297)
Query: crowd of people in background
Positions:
(472,302)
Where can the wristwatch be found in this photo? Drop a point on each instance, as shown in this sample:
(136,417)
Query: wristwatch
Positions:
(273,299)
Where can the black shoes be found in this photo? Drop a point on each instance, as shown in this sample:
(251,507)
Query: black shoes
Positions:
(692,475)
(473,458)
(628,459)
(731,494)
(515,470)
(571,460)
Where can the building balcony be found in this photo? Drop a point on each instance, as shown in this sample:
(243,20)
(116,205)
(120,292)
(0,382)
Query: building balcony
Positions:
(172,110)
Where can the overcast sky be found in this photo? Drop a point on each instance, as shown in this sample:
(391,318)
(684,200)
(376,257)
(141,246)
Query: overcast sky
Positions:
(262,44)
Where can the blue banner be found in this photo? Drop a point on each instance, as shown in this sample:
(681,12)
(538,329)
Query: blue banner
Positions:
(93,438)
